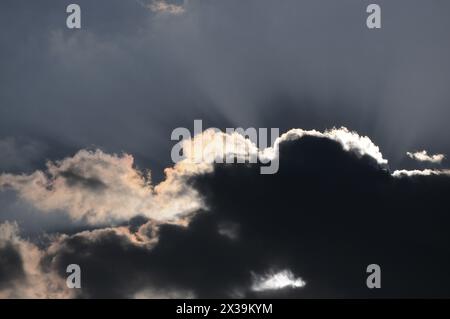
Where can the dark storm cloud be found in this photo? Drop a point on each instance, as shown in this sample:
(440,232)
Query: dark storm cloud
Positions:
(325,216)
(11,267)
(131,75)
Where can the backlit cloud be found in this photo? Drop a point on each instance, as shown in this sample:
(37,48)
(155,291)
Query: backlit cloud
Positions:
(214,229)
(423,156)
(279,280)
(102,188)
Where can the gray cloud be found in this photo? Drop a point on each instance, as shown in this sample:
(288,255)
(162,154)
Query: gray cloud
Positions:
(20,154)
(21,275)
(228,62)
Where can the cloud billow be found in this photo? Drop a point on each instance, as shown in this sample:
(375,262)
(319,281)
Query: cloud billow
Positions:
(327,214)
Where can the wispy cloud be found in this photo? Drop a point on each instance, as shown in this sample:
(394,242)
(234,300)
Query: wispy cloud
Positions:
(162,6)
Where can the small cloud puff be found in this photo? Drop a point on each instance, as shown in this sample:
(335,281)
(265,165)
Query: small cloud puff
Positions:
(275,281)
(423,156)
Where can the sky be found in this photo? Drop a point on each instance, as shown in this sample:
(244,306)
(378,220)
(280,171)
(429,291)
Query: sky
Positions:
(86,175)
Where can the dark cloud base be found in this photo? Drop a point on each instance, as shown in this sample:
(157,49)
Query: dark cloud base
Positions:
(326,215)
(10,266)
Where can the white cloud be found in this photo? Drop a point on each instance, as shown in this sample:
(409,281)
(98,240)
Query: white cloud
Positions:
(425,172)
(350,141)
(423,156)
(102,188)
(213,146)
(279,280)
(207,147)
